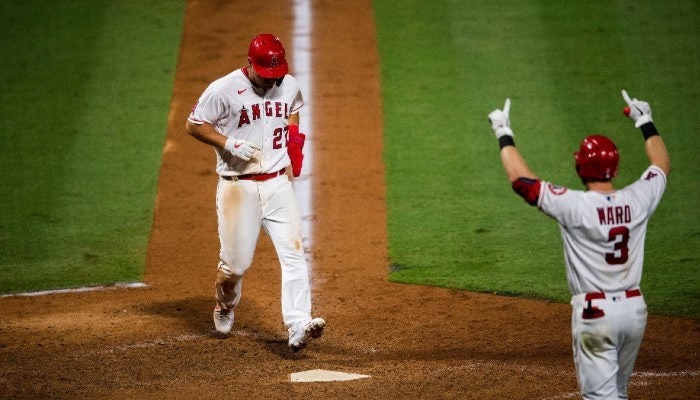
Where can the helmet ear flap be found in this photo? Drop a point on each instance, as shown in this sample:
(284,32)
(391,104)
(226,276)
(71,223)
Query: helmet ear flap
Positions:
(577,163)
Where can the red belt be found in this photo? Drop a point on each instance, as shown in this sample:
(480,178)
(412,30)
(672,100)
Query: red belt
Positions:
(599,295)
(256,177)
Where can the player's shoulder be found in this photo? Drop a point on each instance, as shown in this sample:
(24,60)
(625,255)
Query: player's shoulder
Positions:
(653,173)
(652,180)
(290,81)
(232,78)
(556,190)
(651,176)
(290,78)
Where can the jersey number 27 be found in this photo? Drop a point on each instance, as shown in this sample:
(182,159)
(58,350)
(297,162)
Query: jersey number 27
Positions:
(279,138)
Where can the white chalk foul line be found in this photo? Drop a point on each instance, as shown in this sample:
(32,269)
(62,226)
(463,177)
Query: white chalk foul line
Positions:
(150,344)
(639,379)
(170,340)
(121,285)
(666,374)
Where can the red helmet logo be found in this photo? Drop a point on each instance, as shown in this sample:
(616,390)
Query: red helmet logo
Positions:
(266,55)
(597,158)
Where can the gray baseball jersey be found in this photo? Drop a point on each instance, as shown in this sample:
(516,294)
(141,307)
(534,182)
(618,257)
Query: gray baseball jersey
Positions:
(604,233)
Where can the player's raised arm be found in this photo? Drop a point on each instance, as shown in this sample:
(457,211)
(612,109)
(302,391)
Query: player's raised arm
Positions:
(513,162)
(640,112)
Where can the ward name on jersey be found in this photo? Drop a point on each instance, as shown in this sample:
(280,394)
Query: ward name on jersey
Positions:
(604,233)
(616,215)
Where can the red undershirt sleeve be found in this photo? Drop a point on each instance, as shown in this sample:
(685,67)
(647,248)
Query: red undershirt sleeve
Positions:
(528,189)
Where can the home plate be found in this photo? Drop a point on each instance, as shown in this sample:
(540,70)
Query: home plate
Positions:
(322,375)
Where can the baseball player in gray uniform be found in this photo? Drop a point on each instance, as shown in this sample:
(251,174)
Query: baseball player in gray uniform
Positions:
(603,230)
(251,118)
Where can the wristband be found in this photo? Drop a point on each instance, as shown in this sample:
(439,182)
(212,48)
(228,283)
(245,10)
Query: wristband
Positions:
(230,142)
(649,130)
(506,140)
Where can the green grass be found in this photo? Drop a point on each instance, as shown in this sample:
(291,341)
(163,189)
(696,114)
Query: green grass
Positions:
(453,219)
(84,93)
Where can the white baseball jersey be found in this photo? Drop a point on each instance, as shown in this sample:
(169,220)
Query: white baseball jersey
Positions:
(233,108)
(604,233)
(243,206)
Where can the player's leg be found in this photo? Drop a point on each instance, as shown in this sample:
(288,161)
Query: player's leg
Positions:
(595,354)
(238,215)
(282,221)
(229,287)
(634,321)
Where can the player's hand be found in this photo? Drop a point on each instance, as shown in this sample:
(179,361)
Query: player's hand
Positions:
(500,121)
(241,148)
(639,111)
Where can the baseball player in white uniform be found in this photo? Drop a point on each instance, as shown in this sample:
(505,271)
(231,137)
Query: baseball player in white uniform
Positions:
(251,117)
(603,230)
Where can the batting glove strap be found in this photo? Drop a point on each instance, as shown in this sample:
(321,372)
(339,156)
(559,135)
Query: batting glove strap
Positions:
(643,119)
(649,130)
(506,140)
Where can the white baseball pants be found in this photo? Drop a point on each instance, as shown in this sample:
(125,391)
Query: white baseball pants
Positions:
(605,348)
(243,206)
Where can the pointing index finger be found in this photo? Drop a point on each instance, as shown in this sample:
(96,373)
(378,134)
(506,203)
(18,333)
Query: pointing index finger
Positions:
(506,106)
(626,97)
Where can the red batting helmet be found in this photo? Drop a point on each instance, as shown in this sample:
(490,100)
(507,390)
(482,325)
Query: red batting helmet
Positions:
(597,159)
(266,55)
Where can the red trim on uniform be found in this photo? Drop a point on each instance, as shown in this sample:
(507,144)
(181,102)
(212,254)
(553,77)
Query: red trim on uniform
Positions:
(599,295)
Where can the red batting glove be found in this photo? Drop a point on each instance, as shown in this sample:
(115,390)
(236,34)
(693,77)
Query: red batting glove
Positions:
(294,149)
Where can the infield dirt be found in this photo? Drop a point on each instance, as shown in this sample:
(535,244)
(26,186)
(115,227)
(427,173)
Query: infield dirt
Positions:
(415,342)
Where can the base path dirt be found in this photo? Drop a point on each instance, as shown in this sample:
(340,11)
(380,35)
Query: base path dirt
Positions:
(413,342)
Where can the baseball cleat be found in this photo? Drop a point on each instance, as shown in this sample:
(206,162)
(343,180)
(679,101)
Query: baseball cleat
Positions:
(299,338)
(223,320)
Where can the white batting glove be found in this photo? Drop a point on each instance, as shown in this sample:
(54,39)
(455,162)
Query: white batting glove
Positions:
(241,148)
(639,111)
(500,121)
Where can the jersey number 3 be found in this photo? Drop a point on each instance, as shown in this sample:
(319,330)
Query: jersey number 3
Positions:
(620,236)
